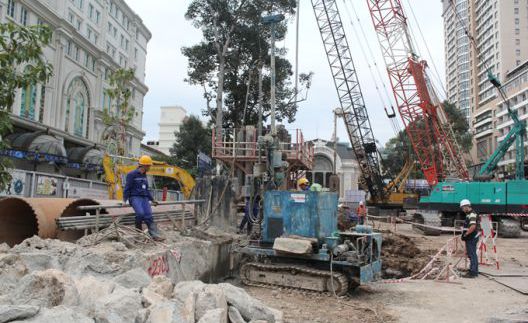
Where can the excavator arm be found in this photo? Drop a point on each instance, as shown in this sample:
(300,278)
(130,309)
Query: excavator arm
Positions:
(516,134)
(114,172)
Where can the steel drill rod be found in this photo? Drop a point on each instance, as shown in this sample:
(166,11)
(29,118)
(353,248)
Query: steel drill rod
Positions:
(122,205)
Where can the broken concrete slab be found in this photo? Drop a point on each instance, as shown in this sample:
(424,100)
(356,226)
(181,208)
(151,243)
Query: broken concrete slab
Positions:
(166,312)
(234,315)
(10,313)
(218,315)
(59,314)
(92,290)
(150,297)
(210,298)
(46,288)
(249,308)
(162,285)
(135,278)
(184,288)
(295,246)
(122,305)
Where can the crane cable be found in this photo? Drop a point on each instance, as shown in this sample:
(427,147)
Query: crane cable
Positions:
(394,123)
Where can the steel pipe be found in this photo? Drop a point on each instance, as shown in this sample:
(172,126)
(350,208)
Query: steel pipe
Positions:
(22,218)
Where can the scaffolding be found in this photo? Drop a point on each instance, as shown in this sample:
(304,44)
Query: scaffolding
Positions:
(240,147)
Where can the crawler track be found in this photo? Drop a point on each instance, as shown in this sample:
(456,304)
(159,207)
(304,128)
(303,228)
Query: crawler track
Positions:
(293,277)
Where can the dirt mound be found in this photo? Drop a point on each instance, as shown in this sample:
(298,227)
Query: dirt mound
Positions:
(400,256)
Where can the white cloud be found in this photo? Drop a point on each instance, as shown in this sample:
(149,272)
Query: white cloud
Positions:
(167,67)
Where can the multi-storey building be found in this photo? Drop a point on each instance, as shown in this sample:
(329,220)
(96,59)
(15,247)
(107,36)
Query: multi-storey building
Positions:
(499,30)
(63,117)
(171,118)
(457,47)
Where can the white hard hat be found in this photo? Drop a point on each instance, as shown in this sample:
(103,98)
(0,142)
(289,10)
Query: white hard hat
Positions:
(360,202)
(465,202)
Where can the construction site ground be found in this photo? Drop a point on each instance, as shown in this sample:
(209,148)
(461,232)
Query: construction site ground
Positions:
(464,300)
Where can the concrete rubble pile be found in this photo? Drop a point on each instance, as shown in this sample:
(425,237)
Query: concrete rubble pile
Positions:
(56,281)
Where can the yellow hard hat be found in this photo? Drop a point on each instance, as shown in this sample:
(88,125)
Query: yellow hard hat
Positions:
(303,181)
(145,160)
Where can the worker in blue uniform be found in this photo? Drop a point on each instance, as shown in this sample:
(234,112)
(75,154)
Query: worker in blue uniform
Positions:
(246,221)
(138,195)
(470,235)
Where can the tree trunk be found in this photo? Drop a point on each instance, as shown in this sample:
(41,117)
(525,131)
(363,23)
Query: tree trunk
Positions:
(219,96)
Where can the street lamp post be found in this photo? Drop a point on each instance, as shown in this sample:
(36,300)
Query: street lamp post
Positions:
(272,20)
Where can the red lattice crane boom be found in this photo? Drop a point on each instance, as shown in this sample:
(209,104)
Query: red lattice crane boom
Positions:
(425,122)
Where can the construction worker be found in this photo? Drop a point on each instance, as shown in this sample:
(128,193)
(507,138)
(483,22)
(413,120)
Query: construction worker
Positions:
(361,212)
(138,195)
(470,235)
(303,184)
(247,209)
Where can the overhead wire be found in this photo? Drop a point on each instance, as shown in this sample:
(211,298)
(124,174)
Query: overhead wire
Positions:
(394,121)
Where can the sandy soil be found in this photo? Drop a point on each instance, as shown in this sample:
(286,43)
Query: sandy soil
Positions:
(466,300)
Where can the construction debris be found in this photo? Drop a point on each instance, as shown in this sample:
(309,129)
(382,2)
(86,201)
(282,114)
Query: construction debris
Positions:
(401,258)
(52,280)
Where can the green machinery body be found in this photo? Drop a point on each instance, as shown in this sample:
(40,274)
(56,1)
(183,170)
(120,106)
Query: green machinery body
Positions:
(487,197)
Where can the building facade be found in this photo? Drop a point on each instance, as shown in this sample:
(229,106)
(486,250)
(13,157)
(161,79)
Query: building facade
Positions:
(346,167)
(171,118)
(91,38)
(457,47)
(500,33)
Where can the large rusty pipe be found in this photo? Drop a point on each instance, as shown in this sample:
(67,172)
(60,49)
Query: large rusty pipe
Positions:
(22,218)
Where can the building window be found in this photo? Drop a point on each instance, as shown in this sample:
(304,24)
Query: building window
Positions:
(517,31)
(11,8)
(516,11)
(135,53)
(97,16)
(69,48)
(78,25)
(517,42)
(77,104)
(42,103)
(23,16)
(91,11)
(518,52)
(28,101)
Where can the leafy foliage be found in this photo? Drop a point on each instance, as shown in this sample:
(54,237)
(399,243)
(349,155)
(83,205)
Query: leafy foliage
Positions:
(191,139)
(235,48)
(118,117)
(399,147)
(21,64)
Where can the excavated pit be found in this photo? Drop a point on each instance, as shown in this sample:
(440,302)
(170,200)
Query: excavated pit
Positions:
(22,218)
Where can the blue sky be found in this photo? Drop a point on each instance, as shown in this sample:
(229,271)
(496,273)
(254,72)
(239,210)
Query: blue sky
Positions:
(167,67)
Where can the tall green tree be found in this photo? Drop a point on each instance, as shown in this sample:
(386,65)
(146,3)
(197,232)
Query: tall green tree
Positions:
(21,64)
(117,119)
(398,148)
(233,54)
(459,125)
(192,138)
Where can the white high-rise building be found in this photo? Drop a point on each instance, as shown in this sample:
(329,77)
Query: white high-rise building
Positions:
(171,118)
(500,33)
(90,39)
(457,47)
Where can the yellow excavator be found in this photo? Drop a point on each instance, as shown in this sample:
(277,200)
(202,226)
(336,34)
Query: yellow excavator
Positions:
(116,168)
(396,188)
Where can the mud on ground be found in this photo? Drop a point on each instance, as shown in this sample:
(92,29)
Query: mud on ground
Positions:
(401,257)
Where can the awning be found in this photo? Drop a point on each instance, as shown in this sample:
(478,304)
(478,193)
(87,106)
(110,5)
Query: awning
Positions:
(85,158)
(36,145)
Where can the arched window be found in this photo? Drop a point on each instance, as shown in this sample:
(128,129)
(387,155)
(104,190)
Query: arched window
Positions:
(77,104)
(28,101)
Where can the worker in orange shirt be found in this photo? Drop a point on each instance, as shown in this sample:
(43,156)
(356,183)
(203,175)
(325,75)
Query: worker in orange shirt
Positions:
(361,213)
